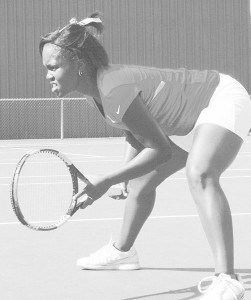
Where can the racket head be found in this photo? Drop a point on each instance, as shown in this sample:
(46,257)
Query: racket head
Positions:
(42,189)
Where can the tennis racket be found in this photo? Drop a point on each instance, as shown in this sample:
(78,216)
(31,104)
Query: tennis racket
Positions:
(43,188)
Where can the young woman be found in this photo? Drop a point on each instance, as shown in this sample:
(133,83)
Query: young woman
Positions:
(172,119)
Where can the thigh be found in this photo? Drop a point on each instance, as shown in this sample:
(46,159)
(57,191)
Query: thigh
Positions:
(148,183)
(214,148)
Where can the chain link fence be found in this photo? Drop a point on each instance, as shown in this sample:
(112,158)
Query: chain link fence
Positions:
(51,118)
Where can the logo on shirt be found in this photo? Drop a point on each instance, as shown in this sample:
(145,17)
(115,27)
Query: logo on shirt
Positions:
(118,111)
(159,88)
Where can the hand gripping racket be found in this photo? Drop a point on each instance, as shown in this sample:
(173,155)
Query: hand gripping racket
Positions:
(43,188)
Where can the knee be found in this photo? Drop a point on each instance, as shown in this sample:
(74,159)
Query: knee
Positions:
(200,177)
(140,194)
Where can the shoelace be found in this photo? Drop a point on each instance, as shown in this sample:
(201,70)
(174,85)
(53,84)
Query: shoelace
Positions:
(225,280)
(104,254)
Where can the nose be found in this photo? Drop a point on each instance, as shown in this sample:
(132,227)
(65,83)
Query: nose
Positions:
(49,76)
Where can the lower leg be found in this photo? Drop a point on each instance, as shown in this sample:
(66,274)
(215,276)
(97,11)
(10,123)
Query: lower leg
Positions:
(137,211)
(141,197)
(216,219)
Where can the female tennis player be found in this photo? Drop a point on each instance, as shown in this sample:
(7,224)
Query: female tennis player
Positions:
(172,119)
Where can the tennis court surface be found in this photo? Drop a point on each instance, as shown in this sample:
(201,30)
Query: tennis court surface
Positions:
(173,250)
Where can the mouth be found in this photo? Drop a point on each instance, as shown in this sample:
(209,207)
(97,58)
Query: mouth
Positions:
(53,86)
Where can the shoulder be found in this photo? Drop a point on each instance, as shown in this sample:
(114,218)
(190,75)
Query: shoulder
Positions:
(115,76)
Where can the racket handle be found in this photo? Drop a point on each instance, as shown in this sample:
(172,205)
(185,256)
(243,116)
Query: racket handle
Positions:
(87,201)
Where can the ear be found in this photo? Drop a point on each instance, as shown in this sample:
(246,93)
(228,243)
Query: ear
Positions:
(81,67)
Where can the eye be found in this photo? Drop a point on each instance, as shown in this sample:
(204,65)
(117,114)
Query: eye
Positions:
(52,67)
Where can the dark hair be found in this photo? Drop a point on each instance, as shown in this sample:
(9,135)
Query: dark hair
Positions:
(79,41)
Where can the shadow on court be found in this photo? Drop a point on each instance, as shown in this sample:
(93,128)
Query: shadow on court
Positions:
(239,271)
(192,290)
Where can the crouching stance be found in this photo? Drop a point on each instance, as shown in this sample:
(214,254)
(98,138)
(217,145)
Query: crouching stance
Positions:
(173,119)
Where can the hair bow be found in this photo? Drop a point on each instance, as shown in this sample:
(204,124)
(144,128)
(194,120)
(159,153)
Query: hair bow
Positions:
(84,22)
(87,21)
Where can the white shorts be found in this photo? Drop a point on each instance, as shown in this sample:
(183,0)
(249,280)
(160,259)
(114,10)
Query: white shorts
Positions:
(229,107)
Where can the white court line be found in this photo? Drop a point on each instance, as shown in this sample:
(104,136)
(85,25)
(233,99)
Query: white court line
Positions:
(74,142)
(169,179)
(77,161)
(64,143)
(93,155)
(178,172)
(120,219)
(16,148)
(152,217)
(228,170)
(68,153)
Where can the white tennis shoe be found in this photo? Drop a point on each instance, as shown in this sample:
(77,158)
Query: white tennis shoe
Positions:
(110,258)
(223,287)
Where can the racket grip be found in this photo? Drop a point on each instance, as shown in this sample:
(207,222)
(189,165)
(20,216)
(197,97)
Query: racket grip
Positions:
(86,202)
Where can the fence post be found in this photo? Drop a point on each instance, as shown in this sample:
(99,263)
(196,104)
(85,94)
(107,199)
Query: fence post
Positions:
(62,120)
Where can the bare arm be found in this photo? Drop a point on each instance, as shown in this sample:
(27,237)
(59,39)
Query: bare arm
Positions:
(132,147)
(144,131)
(148,149)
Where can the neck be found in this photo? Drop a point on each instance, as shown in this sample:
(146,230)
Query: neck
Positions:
(88,86)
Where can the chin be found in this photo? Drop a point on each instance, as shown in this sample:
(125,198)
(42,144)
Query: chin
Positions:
(59,94)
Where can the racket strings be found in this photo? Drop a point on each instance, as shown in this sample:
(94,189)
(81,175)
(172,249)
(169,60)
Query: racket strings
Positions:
(44,189)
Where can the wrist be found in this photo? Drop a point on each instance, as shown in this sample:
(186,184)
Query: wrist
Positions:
(108,181)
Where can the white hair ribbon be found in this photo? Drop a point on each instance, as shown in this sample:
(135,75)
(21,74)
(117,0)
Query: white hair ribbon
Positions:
(84,22)
(89,20)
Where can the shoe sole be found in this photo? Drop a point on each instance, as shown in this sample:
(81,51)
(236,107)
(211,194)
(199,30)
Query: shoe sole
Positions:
(122,267)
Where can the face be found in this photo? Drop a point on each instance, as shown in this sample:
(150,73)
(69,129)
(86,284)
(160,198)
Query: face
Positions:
(61,72)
